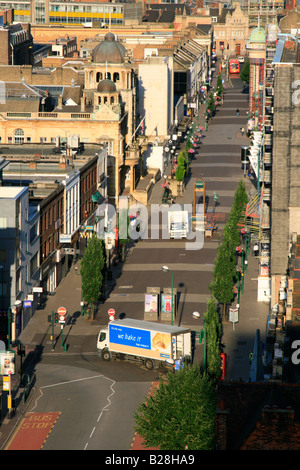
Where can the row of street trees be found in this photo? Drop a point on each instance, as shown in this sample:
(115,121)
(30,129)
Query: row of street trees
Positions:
(92,270)
(180,414)
(225,269)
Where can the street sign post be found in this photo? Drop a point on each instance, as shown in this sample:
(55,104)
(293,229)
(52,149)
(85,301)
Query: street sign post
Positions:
(233,316)
(62,312)
(111,313)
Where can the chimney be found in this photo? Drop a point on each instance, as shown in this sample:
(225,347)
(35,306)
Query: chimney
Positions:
(221,425)
(82,104)
(60,102)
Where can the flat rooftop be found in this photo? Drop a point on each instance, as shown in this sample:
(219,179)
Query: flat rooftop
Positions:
(11,192)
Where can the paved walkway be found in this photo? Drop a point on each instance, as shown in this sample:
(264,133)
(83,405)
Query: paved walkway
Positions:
(79,334)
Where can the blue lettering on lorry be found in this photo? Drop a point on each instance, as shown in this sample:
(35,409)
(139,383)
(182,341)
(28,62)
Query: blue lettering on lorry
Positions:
(129,336)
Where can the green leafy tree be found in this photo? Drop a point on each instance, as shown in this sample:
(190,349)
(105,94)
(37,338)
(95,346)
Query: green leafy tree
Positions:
(211,103)
(213,332)
(182,165)
(224,276)
(181,412)
(224,273)
(91,270)
(219,85)
(245,72)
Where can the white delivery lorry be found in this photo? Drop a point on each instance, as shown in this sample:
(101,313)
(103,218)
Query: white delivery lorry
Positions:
(179,223)
(147,343)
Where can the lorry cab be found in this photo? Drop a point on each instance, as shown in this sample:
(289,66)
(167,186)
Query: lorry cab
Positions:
(102,341)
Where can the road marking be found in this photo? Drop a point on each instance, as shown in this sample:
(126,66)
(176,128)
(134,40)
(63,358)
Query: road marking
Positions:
(172,266)
(71,381)
(103,409)
(33,431)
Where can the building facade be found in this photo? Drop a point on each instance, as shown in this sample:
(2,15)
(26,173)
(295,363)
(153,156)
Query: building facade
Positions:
(257,51)
(74,13)
(16,45)
(19,234)
(231,30)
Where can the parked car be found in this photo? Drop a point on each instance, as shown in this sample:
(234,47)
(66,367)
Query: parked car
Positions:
(241,59)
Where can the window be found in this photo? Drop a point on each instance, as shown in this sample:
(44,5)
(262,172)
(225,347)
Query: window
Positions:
(19,136)
(3,289)
(33,264)
(33,233)
(18,282)
(3,256)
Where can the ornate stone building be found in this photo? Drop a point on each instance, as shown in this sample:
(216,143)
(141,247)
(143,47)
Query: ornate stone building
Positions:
(98,107)
(231,30)
(110,86)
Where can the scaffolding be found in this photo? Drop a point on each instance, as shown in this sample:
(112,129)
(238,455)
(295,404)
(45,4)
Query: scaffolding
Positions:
(266,10)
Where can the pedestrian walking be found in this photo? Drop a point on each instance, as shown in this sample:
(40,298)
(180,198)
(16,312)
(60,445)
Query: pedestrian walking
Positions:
(255,249)
(242,131)
(237,112)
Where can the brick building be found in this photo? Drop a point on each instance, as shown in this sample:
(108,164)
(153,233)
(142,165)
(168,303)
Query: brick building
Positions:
(16,45)
(258,416)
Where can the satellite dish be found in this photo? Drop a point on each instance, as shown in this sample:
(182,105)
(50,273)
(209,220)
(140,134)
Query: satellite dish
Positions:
(196,314)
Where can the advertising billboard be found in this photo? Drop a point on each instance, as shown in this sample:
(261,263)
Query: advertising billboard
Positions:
(7,363)
(151,303)
(134,340)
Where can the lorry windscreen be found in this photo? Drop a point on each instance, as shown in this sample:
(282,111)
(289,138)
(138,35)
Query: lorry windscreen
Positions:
(177,225)
(102,336)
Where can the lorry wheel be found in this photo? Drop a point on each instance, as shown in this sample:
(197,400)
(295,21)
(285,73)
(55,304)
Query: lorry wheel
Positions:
(106,355)
(149,364)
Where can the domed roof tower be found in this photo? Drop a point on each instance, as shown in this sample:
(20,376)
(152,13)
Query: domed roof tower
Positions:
(106,86)
(109,50)
(258,35)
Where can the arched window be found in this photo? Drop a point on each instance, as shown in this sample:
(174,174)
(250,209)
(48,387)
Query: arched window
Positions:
(116,77)
(112,100)
(19,136)
(98,76)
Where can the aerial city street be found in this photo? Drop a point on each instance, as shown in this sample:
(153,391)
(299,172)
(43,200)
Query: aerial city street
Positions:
(149,212)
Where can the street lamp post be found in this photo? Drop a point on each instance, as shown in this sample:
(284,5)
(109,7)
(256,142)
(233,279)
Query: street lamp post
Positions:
(81,296)
(10,319)
(165,269)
